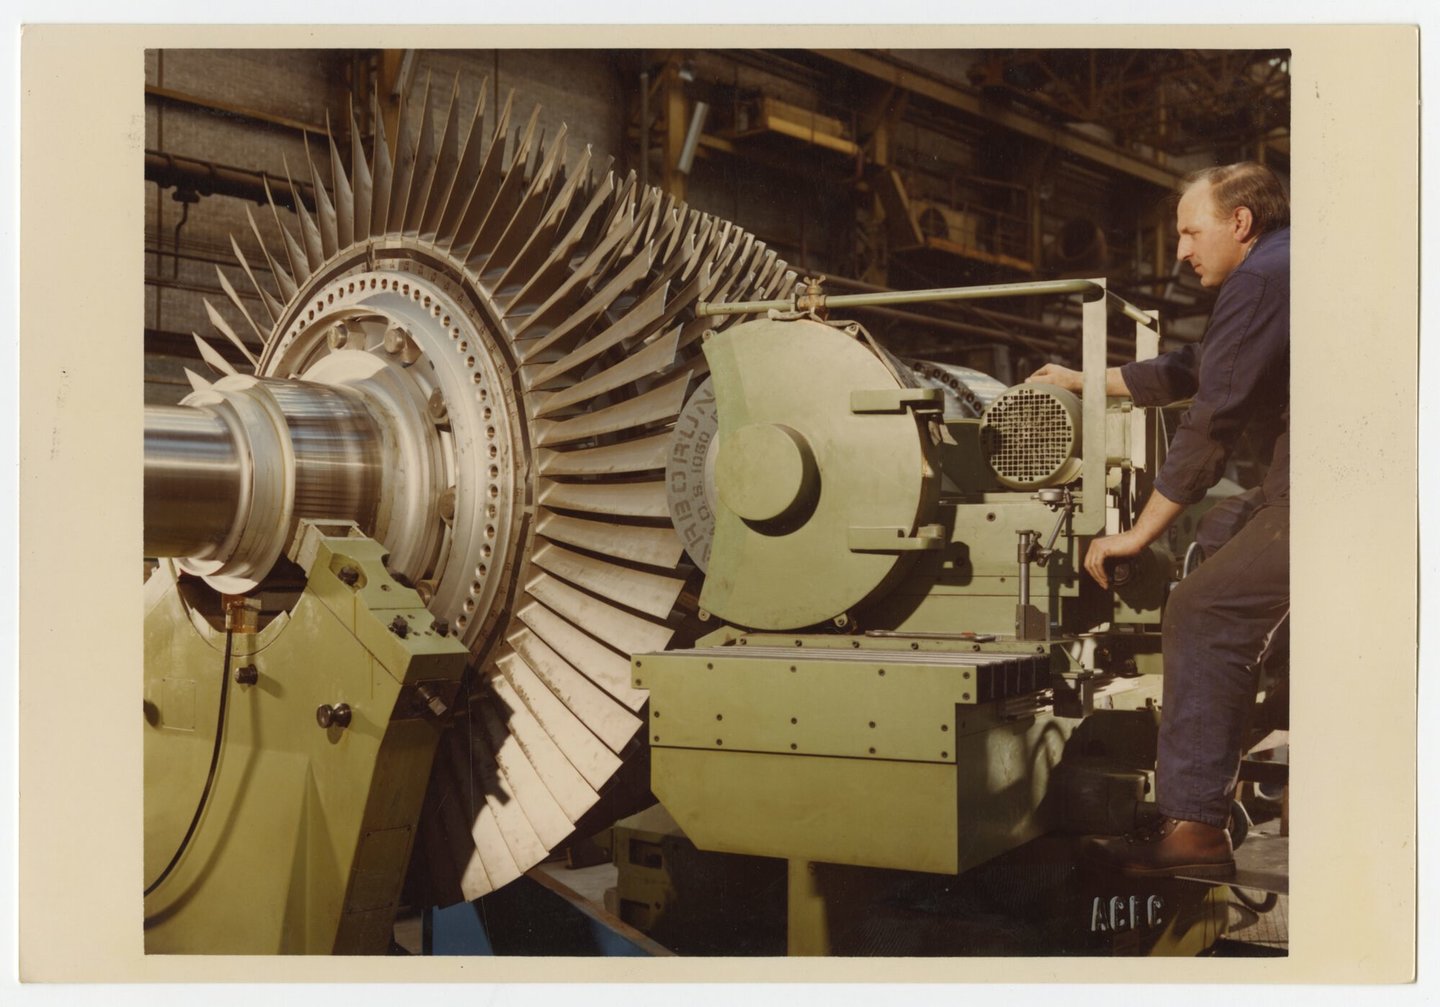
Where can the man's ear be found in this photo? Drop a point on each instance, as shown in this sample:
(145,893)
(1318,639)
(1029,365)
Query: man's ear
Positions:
(1242,222)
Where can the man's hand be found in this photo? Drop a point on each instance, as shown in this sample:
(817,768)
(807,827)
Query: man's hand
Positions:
(1121,546)
(1074,381)
(1054,374)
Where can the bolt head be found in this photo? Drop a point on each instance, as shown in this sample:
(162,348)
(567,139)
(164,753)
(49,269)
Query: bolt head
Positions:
(395,339)
(328,716)
(435,405)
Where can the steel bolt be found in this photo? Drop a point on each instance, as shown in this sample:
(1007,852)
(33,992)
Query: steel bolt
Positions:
(436,406)
(333,716)
(349,575)
(442,627)
(432,700)
(248,675)
(395,339)
(400,627)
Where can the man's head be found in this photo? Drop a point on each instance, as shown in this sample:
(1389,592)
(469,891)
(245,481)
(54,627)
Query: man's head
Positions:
(1222,213)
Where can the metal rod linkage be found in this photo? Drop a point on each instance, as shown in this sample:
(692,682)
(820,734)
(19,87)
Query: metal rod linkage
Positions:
(1038,288)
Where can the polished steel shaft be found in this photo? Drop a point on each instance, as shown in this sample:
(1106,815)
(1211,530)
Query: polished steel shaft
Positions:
(194,481)
(231,471)
(336,444)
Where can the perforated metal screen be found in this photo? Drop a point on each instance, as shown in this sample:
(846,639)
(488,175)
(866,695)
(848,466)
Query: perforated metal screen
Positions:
(1029,436)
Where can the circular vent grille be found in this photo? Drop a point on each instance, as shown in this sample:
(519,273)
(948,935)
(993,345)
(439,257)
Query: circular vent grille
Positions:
(1031,436)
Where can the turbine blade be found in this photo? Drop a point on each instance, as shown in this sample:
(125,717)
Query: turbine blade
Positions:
(239,305)
(344,194)
(364,187)
(655,358)
(491,848)
(527,215)
(437,186)
(229,333)
(282,278)
(640,455)
(299,268)
(381,174)
(651,593)
(557,265)
(610,721)
(212,356)
(655,406)
(587,753)
(635,543)
(324,209)
(546,817)
(198,383)
(603,666)
(571,792)
(404,161)
(524,845)
(462,181)
(583,317)
(507,197)
(622,630)
(637,320)
(542,239)
(482,194)
(627,499)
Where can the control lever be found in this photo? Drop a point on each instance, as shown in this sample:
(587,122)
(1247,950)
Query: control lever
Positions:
(1061,502)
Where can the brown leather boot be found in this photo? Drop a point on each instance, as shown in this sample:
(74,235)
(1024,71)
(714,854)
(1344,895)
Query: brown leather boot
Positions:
(1169,848)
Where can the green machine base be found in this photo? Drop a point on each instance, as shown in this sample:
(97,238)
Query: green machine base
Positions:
(864,760)
(333,712)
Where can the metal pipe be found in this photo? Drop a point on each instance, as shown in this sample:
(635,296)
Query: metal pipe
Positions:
(1027,540)
(644,129)
(692,140)
(194,481)
(207,178)
(1130,311)
(960,328)
(990,314)
(1039,288)
(230,111)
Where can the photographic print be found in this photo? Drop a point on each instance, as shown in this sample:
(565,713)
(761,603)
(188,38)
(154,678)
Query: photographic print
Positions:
(805,507)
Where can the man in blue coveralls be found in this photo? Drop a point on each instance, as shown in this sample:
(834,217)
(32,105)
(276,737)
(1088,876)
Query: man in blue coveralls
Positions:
(1234,231)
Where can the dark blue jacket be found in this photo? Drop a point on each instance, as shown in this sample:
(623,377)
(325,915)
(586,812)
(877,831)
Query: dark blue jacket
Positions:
(1238,374)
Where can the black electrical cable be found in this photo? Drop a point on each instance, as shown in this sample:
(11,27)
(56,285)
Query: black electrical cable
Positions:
(210,776)
(1261,905)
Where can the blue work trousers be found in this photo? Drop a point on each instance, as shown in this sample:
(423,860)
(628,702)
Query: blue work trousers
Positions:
(1217,624)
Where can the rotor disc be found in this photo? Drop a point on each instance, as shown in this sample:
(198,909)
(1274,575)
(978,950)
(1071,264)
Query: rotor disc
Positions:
(541,318)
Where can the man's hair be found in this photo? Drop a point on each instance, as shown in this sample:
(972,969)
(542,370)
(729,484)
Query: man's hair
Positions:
(1248,184)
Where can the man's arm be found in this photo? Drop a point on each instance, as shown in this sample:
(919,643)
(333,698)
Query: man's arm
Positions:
(1160,513)
(1247,355)
(1158,381)
(1074,381)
